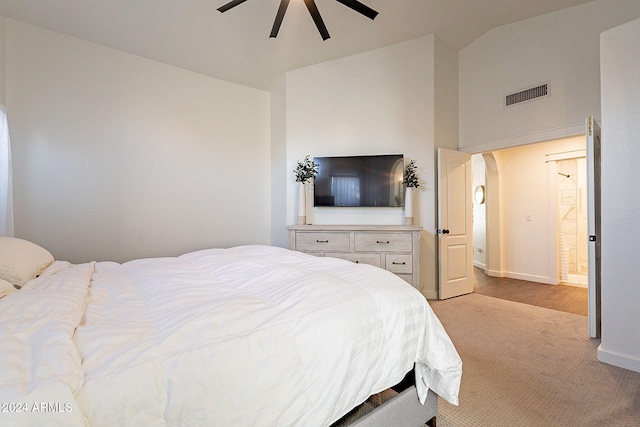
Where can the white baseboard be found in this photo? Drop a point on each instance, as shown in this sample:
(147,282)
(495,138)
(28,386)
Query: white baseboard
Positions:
(520,276)
(529,277)
(619,360)
(494,273)
(479,265)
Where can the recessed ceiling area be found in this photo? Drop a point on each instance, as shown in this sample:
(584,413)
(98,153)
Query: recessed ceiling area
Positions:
(235,46)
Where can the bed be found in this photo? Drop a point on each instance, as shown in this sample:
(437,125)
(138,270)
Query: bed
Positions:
(245,336)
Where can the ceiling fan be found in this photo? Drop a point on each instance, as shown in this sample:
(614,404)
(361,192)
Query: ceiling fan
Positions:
(313,10)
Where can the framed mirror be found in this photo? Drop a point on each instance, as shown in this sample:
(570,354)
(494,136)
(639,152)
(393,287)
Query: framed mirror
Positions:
(479,194)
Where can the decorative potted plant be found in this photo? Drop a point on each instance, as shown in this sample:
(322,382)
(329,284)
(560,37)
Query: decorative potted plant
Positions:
(410,181)
(305,170)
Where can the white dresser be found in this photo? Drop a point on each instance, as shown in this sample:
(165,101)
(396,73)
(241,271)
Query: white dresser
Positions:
(393,247)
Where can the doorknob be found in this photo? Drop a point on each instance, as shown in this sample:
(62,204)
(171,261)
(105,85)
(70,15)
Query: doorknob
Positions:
(445,231)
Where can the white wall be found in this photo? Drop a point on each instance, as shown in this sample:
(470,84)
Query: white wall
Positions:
(561,48)
(3,90)
(118,157)
(377,102)
(279,166)
(564,48)
(620,58)
(446,96)
(527,217)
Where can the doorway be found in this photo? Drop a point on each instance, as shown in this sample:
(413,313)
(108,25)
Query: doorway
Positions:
(527,203)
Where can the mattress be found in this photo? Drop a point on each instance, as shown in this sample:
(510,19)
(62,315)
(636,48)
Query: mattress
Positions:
(251,335)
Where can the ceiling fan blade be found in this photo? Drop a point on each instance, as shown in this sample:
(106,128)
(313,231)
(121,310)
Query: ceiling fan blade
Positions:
(315,14)
(230,5)
(279,17)
(360,8)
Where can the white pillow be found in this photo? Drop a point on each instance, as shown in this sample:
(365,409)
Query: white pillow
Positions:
(21,260)
(6,288)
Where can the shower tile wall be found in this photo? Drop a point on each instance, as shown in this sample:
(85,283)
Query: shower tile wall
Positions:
(568,216)
(571,216)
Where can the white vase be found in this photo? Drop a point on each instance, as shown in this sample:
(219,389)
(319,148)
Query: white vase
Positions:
(408,206)
(302,204)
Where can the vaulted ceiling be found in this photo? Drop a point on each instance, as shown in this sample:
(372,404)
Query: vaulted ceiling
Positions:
(235,45)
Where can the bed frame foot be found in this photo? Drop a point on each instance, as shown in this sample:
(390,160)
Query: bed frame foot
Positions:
(431,422)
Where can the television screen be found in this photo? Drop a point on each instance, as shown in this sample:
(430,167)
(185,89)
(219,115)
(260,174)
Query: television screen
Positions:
(359,181)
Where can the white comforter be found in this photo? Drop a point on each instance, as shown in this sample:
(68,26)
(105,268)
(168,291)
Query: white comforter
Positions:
(248,336)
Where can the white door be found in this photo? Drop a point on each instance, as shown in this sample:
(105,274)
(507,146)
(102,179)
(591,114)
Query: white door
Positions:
(455,229)
(593,198)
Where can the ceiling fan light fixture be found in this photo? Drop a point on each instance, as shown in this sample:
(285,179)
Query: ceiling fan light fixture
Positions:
(359,7)
(282,9)
(313,10)
(230,5)
(317,19)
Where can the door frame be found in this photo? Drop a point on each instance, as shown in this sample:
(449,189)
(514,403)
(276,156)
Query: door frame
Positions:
(493,227)
(494,251)
(594,176)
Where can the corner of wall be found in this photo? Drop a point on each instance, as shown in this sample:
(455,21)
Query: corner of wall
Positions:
(616,359)
(279,164)
(620,71)
(446,90)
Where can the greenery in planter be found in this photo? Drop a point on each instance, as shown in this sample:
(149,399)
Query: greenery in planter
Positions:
(410,175)
(305,169)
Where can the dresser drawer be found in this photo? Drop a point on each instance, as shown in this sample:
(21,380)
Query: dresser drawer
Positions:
(394,248)
(407,278)
(383,242)
(371,259)
(399,264)
(326,241)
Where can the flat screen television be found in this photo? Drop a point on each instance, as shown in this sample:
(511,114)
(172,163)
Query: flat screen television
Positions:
(359,181)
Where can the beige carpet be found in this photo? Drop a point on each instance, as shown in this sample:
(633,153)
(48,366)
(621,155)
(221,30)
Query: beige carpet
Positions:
(531,366)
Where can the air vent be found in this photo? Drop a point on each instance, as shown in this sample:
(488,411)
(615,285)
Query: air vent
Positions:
(530,94)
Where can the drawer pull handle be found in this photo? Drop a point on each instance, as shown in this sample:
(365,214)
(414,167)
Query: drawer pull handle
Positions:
(383,242)
(322,241)
(399,263)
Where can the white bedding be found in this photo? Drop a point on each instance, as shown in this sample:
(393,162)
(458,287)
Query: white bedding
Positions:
(247,336)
